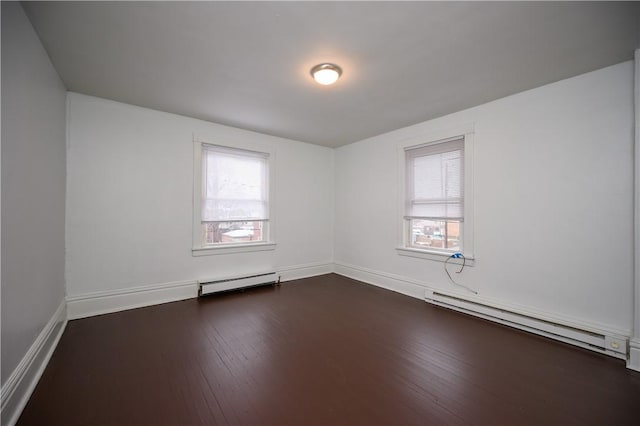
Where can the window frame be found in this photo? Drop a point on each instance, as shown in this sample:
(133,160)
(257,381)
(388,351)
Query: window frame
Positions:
(404,248)
(198,247)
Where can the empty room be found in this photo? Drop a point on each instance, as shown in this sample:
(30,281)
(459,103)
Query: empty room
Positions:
(320,213)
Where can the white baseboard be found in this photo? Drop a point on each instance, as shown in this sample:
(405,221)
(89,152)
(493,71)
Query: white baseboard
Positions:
(397,283)
(634,355)
(297,272)
(118,300)
(104,302)
(414,288)
(20,385)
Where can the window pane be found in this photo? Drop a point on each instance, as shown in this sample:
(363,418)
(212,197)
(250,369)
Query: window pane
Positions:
(435,234)
(233,232)
(435,179)
(438,176)
(235,186)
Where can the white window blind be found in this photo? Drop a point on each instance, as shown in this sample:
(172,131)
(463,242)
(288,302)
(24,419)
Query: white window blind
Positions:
(435,181)
(235,185)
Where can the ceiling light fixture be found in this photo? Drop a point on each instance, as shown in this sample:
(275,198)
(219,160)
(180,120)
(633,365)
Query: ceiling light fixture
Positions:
(326,73)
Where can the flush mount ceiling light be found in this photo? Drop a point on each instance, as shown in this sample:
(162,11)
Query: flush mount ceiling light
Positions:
(326,73)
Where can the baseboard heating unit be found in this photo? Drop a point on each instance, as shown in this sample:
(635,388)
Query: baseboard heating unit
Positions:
(235,283)
(579,335)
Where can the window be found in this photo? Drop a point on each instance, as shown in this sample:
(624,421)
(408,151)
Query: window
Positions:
(434,196)
(231,199)
(437,202)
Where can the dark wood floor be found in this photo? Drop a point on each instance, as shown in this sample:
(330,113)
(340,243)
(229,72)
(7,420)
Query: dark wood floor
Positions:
(321,351)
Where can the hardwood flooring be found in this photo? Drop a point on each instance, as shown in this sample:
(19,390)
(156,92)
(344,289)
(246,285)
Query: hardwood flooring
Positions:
(325,350)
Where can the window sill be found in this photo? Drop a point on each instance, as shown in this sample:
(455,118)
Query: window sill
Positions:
(432,255)
(232,248)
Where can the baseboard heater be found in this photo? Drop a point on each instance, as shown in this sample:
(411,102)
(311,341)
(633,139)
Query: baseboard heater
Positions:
(611,344)
(235,283)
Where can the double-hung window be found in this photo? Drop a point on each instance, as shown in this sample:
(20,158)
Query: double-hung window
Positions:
(232,206)
(434,201)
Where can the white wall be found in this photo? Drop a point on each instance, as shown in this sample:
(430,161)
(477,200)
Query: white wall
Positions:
(634,344)
(33,187)
(553,201)
(129,199)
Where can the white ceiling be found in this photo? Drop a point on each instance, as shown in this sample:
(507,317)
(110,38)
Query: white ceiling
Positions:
(246,64)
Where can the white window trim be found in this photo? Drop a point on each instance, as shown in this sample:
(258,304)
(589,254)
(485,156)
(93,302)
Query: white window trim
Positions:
(197,248)
(232,248)
(466,131)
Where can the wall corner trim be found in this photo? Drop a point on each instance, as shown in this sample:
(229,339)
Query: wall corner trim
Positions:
(306,270)
(393,282)
(20,385)
(633,362)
